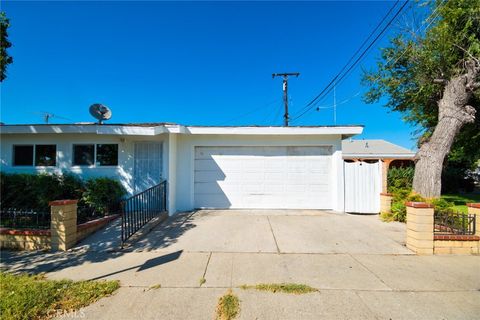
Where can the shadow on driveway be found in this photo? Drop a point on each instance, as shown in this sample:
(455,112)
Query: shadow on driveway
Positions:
(102,246)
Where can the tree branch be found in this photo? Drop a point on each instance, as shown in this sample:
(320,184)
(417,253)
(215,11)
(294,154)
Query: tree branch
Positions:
(440,81)
(467,52)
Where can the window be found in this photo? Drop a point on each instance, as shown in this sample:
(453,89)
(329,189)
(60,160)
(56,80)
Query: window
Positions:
(23,155)
(101,154)
(107,154)
(45,155)
(83,154)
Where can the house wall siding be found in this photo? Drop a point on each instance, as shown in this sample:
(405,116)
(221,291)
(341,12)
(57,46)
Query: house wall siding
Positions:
(124,172)
(178,158)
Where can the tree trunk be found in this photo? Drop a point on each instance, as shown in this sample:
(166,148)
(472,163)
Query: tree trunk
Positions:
(453,114)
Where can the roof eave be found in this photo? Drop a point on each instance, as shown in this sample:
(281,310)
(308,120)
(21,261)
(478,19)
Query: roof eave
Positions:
(378,156)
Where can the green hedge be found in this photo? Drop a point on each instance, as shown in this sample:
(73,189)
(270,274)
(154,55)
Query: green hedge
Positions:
(400,178)
(34,191)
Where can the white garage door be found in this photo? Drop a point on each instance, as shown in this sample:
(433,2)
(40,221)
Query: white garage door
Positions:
(263,177)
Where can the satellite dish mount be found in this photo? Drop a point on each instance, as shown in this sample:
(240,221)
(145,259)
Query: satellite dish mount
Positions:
(100,112)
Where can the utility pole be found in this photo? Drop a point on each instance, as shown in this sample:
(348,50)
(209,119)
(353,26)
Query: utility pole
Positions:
(285,92)
(334,105)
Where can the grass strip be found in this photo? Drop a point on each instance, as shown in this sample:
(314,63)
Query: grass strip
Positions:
(292,288)
(25,297)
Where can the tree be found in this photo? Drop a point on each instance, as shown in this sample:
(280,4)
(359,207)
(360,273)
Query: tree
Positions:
(5,58)
(432,77)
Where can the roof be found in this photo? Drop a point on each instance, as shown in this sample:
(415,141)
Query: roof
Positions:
(155,128)
(374,149)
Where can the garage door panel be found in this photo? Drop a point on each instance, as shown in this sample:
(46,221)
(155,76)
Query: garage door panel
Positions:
(213,201)
(262,177)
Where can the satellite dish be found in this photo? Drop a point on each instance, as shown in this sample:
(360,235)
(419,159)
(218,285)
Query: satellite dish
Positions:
(100,112)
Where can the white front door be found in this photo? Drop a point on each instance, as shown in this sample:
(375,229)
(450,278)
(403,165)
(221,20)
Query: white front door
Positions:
(263,177)
(148,165)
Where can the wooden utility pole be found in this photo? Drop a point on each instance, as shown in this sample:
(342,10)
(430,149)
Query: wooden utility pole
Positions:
(285,92)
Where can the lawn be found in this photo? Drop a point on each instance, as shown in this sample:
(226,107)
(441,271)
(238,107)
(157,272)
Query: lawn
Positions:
(460,200)
(34,297)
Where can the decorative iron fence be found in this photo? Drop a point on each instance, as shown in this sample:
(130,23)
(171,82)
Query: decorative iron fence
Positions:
(450,222)
(143,207)
(24,218)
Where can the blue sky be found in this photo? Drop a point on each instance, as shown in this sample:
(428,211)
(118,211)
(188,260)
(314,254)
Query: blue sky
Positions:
(205,63)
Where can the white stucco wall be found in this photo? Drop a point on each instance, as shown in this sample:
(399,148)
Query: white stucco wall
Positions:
(185,159)
(178,158)
(124,172)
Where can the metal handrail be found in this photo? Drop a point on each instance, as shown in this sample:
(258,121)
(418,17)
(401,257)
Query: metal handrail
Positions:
(139,209)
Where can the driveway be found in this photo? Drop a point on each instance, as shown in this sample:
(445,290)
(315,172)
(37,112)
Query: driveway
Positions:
(359,265)
(276,231)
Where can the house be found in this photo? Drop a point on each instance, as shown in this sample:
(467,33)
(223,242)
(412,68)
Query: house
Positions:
(205,167)
(390,155)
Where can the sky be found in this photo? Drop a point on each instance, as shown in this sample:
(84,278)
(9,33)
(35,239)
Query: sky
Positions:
(194,63)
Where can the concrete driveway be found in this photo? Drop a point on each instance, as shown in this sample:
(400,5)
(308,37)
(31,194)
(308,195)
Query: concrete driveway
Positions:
(276,231)
(358,263)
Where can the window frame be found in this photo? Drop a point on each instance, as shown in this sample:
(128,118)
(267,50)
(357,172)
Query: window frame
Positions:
(23,145)
(73,155)
(34,145)
(35,154)
(94,165)
(108,165)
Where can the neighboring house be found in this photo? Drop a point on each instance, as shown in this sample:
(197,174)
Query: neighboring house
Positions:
(388,153)
(206,167)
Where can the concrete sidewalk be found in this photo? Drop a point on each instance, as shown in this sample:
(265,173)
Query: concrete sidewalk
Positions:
(350,286)
(359,265)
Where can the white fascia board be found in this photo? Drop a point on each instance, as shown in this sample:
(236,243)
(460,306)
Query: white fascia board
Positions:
(378,156)
(175,128)
(96,129)
(353,130)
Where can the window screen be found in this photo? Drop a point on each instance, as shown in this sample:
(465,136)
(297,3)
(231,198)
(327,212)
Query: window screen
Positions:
(45,155)
(23,155)
(107,154)
(83,154)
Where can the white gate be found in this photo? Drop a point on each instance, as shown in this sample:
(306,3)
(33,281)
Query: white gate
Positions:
(363,184)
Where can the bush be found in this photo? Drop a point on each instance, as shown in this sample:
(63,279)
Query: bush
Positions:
(30,191)
(456,180)
(400,197)
(400,178)
(103,194)
(442,204)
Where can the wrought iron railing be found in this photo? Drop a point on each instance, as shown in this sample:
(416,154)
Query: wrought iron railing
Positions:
(24,218)
(448,222)
(139,209)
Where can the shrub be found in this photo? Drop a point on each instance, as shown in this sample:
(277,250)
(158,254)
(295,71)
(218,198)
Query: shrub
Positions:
(399,211)
(103,194)
(442,204)
(35,191)
(400,178)
(400,197)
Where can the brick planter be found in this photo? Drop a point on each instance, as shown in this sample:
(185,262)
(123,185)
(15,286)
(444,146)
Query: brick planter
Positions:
(420,227)
(386,202)
(63,234)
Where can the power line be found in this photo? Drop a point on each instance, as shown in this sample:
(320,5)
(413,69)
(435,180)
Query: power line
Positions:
(250,112)
(339,75)
(430,19)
